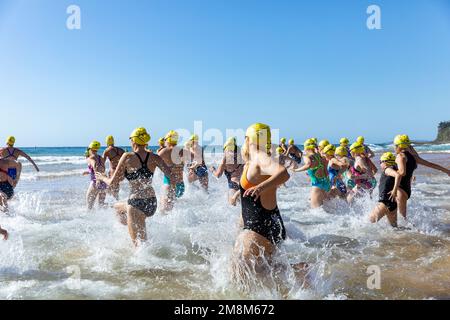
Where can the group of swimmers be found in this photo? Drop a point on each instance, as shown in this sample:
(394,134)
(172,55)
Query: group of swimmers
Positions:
(10,171)
(254,174)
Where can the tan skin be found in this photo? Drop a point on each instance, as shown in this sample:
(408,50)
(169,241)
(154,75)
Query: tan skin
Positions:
(139,189)
(293,149)
(16,153)
(6,164)
(401,159)
(197,154)
(381,210)
(367,167)
(113,154)
(4,233)
(173,157)
(336,164)
(98,163)
(266,174)
(228,164)
(318,196)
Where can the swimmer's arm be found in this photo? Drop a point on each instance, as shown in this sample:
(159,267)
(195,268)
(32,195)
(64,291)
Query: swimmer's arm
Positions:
(278,176)
(370,153)
(26,156)
(161,164)
(373,167)
(431,165)
(306,166)
(401,164)
(392,173)
(235,197)
(219,171)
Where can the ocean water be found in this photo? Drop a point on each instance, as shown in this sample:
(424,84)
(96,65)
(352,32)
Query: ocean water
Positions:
(59,250)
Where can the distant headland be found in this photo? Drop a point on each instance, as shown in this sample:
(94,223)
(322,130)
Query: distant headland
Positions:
(443,133)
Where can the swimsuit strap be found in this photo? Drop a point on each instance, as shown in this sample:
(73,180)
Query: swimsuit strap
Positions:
(143,163)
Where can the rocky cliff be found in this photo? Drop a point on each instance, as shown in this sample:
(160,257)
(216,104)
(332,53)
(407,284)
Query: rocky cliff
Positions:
(443,132)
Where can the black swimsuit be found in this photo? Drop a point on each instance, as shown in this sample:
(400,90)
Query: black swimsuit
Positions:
(147,206)
(267,223)
(7,189)
(411,165)
(386,185)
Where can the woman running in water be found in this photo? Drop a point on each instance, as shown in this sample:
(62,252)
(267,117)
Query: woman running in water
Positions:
(388,190)
(407,160)
(361,173)
(322,145)
(263,225)
(198,169)
(367,150)
(344,142)
(232,166)
(173,156)
(161,144)
(113,154)
(10,171)
(138,168)
(294,152)
(97,188)
(316,167)
(14,153)
(4,233)
(283,145)
(335,170)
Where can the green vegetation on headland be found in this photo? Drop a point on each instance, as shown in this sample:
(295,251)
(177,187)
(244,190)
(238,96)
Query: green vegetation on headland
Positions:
(443,132)
(443,135)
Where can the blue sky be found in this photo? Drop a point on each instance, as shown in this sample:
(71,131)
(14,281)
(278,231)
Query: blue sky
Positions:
(310,68)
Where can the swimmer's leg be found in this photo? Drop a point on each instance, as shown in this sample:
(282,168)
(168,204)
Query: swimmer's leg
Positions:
(317,197)
(301,271)
(4,233)
(204,182)
(3,202)
(168,198)
(101,198)
(136,225)
(402,201)
(121,211)
(91,195)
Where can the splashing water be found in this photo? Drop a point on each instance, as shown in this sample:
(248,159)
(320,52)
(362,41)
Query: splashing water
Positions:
(58,250)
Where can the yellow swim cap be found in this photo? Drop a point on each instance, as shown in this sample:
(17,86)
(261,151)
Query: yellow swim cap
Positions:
(402,141)
(323,144)
(341,151)
(314,140)
(140,136)
(329,150)
(310,144)
(95,145)
(389,158)
(194,137)
(10,141)
(283,140)
(357,148)
(161,141)
(109,141)
(172,137)
(260,134)
(230,144)
(344,142)
(291,142)
(280,150)
(360,139)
